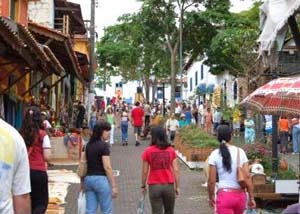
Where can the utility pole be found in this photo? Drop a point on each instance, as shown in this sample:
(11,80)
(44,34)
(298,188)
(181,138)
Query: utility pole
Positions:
(92,49)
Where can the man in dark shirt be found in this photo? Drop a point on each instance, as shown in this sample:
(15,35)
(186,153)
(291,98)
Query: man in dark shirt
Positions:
(80,115)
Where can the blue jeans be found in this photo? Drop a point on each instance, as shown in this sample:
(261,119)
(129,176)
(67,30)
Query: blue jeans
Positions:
(295,139)
(98,192)
(124,128)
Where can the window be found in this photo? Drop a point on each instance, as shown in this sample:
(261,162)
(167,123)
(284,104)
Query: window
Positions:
(191,84)
(196,78)
(202,72)
(235,90)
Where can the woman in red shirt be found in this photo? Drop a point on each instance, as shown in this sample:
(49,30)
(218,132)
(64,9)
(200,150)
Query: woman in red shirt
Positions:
(161,171)
(39,151)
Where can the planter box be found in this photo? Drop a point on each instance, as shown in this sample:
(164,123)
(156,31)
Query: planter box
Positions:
(193,157)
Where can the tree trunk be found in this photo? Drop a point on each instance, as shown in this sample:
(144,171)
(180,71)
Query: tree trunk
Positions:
(147,88)
(173,79)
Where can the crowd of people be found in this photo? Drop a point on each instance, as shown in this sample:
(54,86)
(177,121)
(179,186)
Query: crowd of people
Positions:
(27,171)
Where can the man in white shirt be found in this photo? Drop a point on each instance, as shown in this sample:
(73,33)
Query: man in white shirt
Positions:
(172,125)
(14,172)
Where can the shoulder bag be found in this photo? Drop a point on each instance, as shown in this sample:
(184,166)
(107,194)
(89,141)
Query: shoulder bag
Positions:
(82,165)
(243,177)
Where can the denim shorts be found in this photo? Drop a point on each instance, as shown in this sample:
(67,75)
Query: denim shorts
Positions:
(98,192)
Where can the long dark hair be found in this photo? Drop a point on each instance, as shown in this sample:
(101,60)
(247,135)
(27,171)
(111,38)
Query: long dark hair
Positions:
(159,137)
(31,125)
(98,130)
(224,136)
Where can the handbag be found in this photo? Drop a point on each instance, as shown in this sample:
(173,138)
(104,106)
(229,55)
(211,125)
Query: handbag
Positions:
(82,165)
(243,177)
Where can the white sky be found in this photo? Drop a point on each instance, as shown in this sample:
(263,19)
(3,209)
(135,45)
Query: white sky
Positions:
(109,10)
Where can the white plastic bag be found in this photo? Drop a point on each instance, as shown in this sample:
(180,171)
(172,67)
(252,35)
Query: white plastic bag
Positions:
(81,203)
(141,205)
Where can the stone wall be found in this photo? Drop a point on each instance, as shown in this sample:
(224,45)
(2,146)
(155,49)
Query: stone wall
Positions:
(42,12)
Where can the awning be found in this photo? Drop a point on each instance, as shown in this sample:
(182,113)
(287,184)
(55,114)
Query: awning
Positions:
(61,46)
(274,17)
(21,40)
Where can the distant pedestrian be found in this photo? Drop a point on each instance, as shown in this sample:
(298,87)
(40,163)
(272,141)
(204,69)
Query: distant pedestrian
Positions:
(217,117)
(283,126)
(137,117)
(182,121)
(249,129)
(236,119)
(14,172)
(80,115)
(99,183)
(93,118)
(172,125)
(124,127)
(39,152)
(231,198)
(147,110)
(208,120)
(195,113)
(110,118)
(296,132)
(160,171)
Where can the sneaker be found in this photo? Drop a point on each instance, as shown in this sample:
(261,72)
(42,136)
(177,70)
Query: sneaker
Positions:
(137,143)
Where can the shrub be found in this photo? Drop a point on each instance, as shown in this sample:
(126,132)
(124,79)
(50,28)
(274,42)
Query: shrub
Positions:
(196,137)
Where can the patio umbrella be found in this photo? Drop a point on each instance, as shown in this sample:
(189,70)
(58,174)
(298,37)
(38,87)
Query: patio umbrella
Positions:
(278,97)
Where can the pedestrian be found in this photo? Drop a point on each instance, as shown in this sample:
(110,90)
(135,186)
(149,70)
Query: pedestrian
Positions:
(93,118)
(182,121)
(137,117)
(236,119)
(80,115)
(249,129)
(217,117)
(85,135)
(110,118)
(172,125)
(201,114)
(160,171)
(195,113)
(14,171)
(99,184)
(39,152)
(295,133)
(188,115)
(208,120)
(124,127)
(230,197)
(147,110)
(283,127)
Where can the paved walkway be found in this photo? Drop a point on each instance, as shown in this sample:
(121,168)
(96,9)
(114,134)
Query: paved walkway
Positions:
(192,199)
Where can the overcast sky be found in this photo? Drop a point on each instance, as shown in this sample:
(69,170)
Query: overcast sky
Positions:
(108,11)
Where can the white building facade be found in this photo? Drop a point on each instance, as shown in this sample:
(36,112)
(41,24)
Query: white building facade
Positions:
(198,75)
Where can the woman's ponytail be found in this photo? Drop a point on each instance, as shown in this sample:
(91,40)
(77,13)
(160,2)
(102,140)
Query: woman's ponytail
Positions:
(224,136)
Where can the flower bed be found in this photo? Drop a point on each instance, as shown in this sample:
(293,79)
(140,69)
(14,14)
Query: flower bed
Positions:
(194,144)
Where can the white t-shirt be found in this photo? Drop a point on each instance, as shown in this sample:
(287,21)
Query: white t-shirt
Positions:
(14,167)
(227,179)
(173,125)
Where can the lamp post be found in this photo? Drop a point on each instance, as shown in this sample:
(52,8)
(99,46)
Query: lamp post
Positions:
(91,66)
(163,94)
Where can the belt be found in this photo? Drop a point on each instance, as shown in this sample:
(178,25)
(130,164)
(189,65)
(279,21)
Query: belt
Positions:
(230,190)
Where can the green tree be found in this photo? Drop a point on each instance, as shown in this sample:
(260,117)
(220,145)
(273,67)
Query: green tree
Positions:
(231,49)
